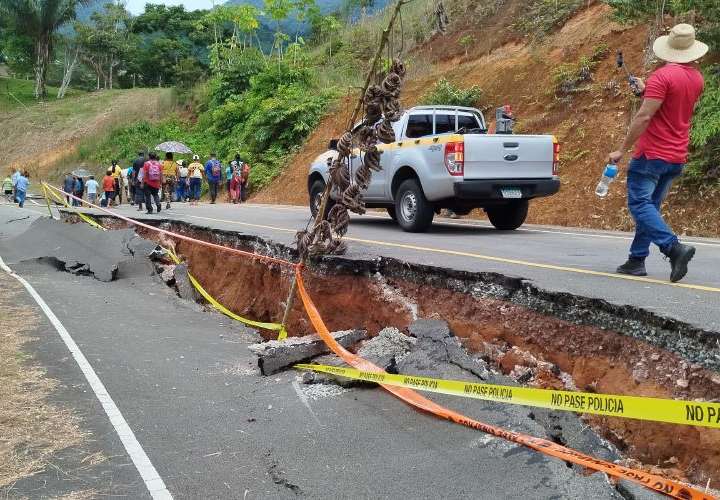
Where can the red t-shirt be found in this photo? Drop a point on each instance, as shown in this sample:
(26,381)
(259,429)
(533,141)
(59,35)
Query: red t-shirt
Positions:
(108,183)
(678,86)
(156,183)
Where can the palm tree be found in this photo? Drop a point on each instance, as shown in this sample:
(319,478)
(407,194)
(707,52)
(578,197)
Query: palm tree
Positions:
(39,19)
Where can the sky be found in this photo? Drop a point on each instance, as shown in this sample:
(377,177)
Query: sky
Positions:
(137,6)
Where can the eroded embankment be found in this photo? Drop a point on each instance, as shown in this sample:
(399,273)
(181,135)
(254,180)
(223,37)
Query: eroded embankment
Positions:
(543,339)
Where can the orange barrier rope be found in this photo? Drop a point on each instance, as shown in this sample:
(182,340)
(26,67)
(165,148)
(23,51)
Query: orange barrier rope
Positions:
(656,483)
(651,481)
(215,246)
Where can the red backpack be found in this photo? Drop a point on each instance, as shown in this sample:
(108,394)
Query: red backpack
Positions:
(154,171)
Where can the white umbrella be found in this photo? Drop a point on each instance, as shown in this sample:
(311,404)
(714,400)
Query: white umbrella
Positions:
(173,147)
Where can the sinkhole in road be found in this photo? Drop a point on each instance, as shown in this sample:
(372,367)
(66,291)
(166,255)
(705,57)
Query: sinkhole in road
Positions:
(541,339)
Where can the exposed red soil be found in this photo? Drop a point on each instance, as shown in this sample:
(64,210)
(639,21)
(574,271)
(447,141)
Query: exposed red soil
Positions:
(589,125)
(514,338)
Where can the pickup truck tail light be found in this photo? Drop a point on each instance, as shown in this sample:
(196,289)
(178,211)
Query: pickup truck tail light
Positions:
(455,158)
(556,156)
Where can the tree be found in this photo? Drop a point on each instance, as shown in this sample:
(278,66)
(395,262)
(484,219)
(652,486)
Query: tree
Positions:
(104,41)
(39,20)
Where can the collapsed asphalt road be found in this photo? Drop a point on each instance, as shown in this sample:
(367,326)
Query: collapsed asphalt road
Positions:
(554,259)
(188,387)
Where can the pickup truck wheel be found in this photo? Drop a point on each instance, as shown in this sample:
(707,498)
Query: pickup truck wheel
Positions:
(316,191)
(391,212)
(508,217)
(414,212)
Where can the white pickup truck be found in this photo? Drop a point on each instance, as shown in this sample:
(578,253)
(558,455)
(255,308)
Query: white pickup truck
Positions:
(444,158)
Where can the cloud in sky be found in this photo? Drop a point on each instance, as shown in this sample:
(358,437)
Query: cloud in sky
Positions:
(137,6)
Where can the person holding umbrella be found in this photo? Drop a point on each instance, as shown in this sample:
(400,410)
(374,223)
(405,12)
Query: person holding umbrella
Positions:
(169,179)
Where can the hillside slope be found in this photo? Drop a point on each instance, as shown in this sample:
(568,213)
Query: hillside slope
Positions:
(510,70)
(40,136)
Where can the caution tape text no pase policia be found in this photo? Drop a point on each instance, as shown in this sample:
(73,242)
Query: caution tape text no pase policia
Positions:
(653,409)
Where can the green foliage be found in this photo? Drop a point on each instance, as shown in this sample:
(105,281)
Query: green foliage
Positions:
(541,17)
(466,42)
(445,93)
(234,78)
(705,136)
(703,14)
(568,77)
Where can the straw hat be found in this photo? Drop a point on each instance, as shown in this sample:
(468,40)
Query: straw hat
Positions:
(680,45)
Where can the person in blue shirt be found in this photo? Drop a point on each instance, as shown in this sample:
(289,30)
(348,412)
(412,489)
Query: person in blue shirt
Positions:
(68,185)
(15,176)
(213,173)
(21,186)
(228,177)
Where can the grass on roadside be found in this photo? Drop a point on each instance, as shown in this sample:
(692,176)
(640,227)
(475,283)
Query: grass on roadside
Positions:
(33,430)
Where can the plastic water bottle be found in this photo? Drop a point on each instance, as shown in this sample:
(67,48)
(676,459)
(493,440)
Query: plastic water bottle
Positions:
(608,176)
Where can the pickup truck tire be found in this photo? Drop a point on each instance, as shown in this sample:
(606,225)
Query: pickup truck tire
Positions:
(508,217)
(316,191)
(391,212)
(414,212)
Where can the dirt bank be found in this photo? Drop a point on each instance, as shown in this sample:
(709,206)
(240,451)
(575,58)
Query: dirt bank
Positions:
(589,123)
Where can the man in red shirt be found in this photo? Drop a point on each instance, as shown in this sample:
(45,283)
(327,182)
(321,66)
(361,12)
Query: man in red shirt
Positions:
(660,132)
(152,181)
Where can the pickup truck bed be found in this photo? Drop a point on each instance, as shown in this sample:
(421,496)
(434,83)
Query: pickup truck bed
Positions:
(425,171)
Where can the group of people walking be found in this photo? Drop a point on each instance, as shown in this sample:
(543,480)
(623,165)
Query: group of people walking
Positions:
(150,181)
(15,186)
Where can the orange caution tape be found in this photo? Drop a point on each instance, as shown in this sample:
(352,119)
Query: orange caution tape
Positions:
(651,481)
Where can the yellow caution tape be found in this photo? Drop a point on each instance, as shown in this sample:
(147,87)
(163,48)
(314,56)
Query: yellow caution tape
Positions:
(282,335)
(672,411)
(62,200)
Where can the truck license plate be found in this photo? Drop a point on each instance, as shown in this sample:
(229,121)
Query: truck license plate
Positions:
(511,193)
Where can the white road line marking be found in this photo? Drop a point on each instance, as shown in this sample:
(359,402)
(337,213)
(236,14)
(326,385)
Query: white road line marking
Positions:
(153,481)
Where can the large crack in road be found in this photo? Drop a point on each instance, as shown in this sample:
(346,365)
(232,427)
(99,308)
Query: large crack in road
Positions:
(507,350)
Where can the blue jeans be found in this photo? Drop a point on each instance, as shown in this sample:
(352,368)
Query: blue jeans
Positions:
(195,188)
(180,189)
(648,183)
(20,197)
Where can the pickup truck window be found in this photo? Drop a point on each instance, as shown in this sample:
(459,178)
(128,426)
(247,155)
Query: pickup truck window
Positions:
(467,122)
(444,124)
(419,126)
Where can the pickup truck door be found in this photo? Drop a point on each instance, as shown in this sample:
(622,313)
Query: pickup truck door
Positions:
(379,189)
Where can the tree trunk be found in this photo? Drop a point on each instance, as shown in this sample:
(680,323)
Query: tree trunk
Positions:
(69,68)
(42,57)
(110,72)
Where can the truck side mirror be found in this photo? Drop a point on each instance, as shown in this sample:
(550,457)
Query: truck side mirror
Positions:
(333,144)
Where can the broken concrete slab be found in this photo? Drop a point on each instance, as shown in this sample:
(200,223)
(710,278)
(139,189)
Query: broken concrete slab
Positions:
(386,348)
(76,248)
(275,355)
(433,329)
(185,288)
(167,274)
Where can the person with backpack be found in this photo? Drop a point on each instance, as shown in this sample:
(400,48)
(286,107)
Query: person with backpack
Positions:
(7,187)
(135,182)
(116,173)
(169,178)
(245,181)
(68,185)
(181,172)
(153,182)
(195,172)
(213,173)
(21,187)
(78,191)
